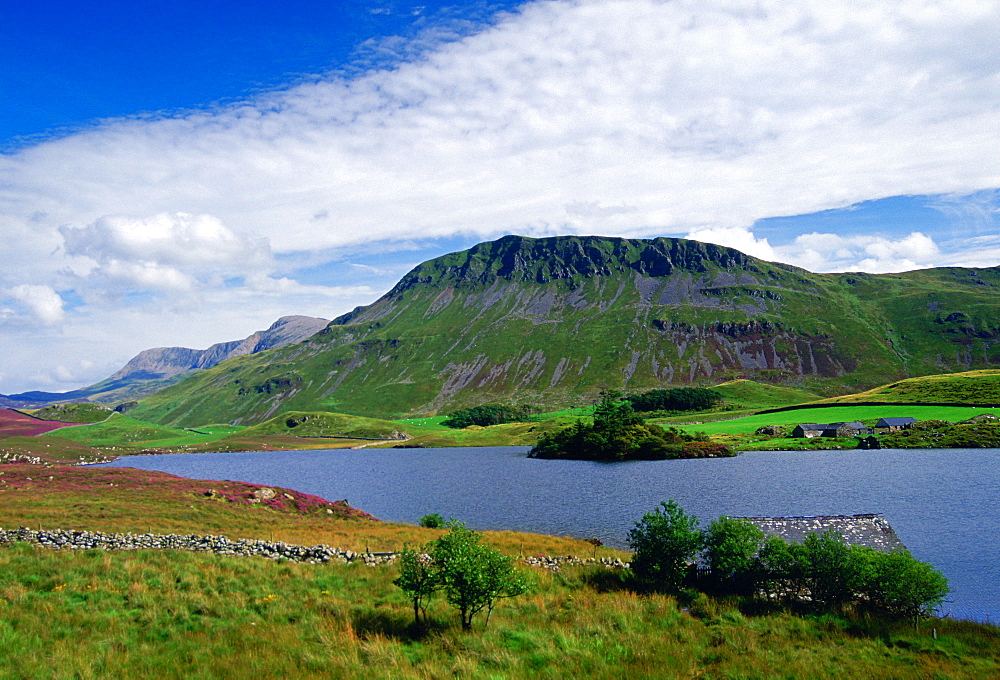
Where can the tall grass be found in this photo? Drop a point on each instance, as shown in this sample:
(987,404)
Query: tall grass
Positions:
(163,614)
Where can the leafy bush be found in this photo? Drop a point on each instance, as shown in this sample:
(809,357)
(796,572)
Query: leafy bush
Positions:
(676,399)
(664,542)
(432,521)
(731,547)
(827,572)
(489,414)
(823,572)
(897,584)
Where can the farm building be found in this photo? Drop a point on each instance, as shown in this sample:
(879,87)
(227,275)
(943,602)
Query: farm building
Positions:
(894,424)
(854,429)
(809,430)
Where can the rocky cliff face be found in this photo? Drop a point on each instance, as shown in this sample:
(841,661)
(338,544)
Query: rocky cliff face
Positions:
(553,321)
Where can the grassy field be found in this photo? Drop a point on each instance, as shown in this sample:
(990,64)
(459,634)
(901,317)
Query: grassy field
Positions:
(975,387)
(120,434)
(181,615)
(751,394)
(127,500)
(866,414)
(170,614)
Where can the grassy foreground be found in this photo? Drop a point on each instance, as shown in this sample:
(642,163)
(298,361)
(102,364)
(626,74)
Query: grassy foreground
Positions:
(171,614)
(186,615)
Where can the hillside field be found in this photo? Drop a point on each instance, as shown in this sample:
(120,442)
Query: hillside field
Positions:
(865,414)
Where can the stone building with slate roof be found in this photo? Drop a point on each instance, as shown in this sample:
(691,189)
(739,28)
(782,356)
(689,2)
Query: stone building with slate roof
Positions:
(894,424)
(854,429)
(809,430)
(870,530)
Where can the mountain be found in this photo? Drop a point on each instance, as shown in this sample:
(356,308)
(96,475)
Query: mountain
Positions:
(553,321)
(154,369)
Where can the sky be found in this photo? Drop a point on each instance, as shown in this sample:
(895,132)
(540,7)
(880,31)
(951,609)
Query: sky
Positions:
(183,173)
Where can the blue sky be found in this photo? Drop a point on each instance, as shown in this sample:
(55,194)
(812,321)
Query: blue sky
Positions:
(68,64)
(182,173)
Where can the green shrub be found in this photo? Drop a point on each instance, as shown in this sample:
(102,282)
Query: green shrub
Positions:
(663,543)
(731,547)
(676,399)
(432,521)
(489,414)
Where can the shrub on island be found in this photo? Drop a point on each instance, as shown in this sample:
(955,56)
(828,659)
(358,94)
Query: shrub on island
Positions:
(618,433)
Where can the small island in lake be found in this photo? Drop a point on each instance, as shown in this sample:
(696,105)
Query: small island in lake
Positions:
(617,433)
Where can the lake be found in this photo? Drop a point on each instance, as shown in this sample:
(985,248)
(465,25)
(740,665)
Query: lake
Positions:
(944,503)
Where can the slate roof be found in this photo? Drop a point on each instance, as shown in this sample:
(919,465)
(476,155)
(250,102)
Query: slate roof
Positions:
(895,422)
(871,530)
(854,426)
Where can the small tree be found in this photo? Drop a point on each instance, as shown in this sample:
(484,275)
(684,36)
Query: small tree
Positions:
(663,543)
(731,547)
(832,570)
(899,585)
(473,575)
(782,567)
(418,579)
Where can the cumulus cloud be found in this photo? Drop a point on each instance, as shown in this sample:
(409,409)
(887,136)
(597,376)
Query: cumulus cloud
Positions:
(736,237)
(165,251)
(44,303)
(872,254)
(826,252)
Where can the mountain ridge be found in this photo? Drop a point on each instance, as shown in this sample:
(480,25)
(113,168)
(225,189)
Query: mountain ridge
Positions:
(156,368)
(552,321)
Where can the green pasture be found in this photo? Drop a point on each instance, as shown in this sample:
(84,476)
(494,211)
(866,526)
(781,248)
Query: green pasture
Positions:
(122,430)
(866,414)
(752,394)
(167,614)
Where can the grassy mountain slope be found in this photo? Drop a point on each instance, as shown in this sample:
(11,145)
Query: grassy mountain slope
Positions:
(975,387)
(751,394)
(553,321)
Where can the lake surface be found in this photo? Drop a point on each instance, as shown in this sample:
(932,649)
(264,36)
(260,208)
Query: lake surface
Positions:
(944,504)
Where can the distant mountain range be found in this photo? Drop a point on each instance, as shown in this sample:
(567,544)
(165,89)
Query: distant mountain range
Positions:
(553,321)
(154,369)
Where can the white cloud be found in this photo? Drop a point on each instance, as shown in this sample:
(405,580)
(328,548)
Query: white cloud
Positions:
(826,252)
(165,251)
(44,303)
(735,237)
(872,254)
(619,117)
(690,113)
